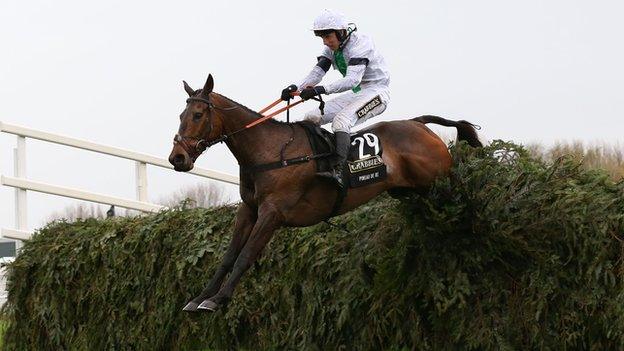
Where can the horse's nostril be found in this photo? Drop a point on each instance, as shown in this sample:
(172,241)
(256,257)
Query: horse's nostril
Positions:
(178,159)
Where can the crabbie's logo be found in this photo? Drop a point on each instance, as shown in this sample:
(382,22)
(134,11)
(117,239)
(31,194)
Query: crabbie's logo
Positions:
(376,101)
(365,160)
(365,164)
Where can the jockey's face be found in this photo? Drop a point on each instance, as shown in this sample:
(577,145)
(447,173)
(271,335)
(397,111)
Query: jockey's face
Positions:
(330,40)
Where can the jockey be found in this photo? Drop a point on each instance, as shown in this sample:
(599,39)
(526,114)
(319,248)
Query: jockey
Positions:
(365,81)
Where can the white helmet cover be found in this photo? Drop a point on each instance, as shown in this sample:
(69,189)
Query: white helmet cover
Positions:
(329,19)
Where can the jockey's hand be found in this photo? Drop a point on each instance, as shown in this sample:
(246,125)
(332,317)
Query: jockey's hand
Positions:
(309,93)
(287,92)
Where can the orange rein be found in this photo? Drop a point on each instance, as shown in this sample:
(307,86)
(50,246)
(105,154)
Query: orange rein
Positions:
(260,120)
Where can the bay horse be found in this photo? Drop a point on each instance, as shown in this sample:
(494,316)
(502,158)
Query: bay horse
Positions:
(293,196)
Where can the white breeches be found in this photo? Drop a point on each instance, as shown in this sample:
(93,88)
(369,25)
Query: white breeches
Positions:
(350,109)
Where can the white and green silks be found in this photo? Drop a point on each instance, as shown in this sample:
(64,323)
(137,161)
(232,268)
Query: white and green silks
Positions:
(363,66)
(365,82)
(341,64)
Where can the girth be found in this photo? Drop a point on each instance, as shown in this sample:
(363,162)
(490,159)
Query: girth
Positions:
(322,148)
(283,163)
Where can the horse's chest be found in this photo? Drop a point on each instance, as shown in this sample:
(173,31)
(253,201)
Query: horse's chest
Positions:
(248,193)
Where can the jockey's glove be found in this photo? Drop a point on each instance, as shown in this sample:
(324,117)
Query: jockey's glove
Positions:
(309,93)
(287,92)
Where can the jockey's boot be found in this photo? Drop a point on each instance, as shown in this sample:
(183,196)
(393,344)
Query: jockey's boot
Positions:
(343,139)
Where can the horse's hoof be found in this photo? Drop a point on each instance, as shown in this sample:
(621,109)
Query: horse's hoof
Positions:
(208,305)
(190,307)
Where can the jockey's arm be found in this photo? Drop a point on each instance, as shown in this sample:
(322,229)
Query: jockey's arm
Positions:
(355,72)
(316,75)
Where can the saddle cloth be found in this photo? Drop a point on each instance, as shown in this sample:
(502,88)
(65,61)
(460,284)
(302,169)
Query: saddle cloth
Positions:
(364,163)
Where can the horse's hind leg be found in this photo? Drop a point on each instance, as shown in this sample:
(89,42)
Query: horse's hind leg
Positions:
(268,221)
(245,220)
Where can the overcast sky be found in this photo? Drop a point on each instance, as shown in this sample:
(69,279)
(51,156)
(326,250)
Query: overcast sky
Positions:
(111,72)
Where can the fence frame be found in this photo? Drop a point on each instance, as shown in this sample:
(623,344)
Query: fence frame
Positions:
(22,184)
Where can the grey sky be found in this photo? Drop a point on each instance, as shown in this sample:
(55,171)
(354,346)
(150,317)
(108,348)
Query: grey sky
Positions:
(111,72)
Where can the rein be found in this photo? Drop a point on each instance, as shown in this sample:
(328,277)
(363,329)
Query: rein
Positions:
(201,144)
(285,108)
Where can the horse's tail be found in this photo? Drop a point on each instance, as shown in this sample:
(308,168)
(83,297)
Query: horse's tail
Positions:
(465,130)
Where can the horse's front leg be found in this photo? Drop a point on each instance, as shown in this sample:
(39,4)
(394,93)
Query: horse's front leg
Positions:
(269,219)
(245,220)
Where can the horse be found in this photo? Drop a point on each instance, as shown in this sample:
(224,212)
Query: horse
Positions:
(293,196)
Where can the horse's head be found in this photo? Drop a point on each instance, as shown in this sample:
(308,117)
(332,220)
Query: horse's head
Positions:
(200,126)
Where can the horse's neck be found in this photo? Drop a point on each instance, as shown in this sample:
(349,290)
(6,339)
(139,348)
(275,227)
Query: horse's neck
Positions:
(250,146)
(235,116)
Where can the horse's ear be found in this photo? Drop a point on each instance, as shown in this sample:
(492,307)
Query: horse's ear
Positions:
(188,89)
(208,86)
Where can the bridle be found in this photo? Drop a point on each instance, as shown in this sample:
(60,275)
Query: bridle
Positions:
(201,144)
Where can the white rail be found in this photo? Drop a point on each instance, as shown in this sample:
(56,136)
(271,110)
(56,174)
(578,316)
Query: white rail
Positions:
(21,184)
(110,150)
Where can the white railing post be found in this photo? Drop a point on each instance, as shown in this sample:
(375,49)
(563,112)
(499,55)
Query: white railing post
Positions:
(19,159)
(22,185)
(141,181)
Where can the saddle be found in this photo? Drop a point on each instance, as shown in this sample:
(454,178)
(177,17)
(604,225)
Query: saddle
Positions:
(322,141)
(364,162)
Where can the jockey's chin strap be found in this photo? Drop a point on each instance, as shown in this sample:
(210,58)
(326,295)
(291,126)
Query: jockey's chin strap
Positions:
(351,28)
(201,144)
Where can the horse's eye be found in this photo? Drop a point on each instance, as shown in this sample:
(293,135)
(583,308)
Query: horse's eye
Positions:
(197,116)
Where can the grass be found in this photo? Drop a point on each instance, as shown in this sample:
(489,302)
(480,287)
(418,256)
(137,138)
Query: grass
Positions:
(598,155)
(3,327)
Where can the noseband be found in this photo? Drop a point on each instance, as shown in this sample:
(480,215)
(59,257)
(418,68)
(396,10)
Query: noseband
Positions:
(200,144)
